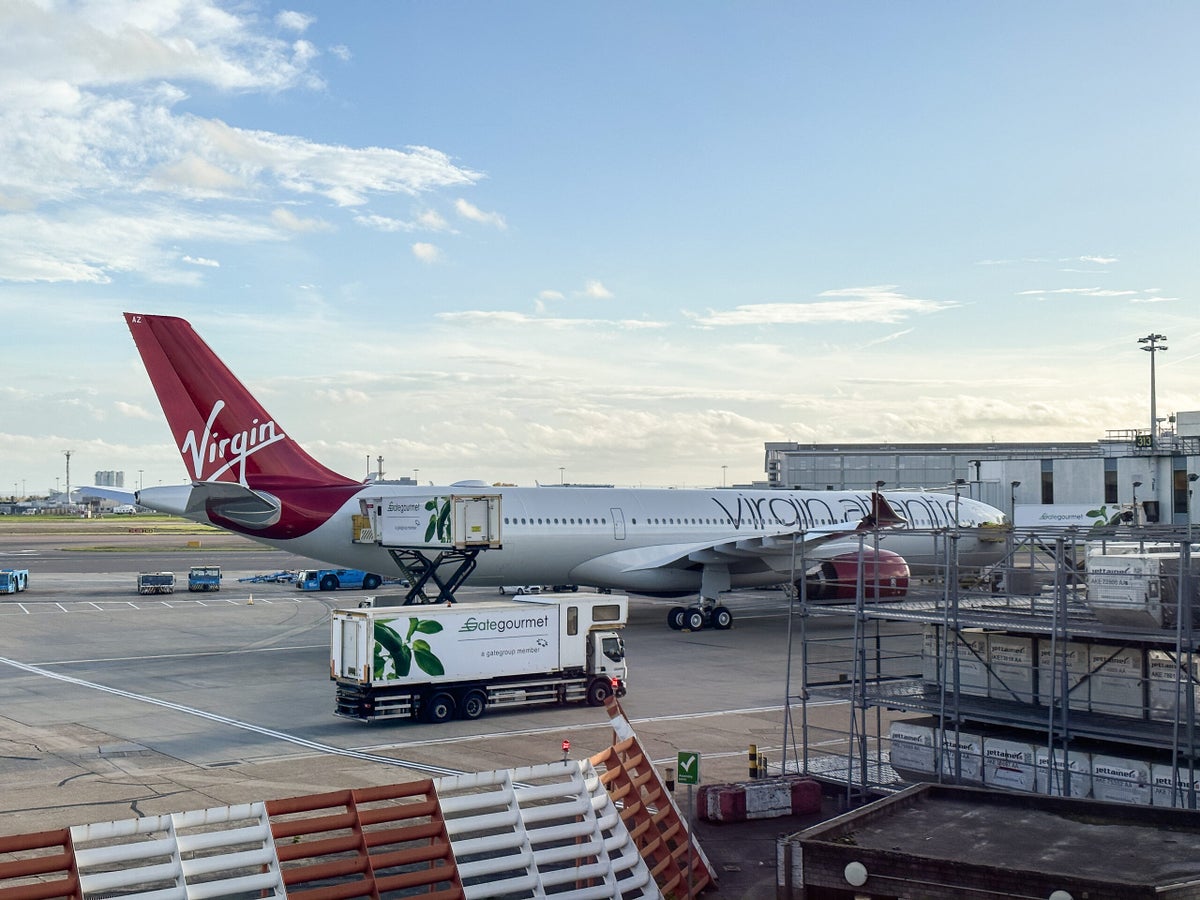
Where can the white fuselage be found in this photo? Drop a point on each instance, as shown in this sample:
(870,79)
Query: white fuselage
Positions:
(633,539)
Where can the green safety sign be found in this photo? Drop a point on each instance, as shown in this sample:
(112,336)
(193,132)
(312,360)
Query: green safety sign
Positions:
(688,767)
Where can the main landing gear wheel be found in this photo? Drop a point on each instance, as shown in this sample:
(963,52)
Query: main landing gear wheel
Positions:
(693,619)
(722,618)
(675,618)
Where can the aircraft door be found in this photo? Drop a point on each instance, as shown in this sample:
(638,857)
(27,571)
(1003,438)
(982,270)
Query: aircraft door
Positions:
(618,520)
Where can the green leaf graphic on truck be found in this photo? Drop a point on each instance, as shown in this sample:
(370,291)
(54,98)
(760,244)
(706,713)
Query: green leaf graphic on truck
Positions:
(439,519)
(404,651)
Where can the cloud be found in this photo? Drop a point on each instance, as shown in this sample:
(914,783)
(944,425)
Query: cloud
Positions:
(93,245)
(134,411)
(594,290)
(508,317)
(290,20)
(881,304)
(426,253)
(475,214)
(200,261)
(289,221)
(1084,292)
(91,113)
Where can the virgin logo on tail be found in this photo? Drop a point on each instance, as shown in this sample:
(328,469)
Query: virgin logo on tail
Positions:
(219,455)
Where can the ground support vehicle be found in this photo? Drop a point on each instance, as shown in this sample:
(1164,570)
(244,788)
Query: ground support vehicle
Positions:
(281,577)
(13,581)
(204,578)
(156,583)
(436,662)
(333,579)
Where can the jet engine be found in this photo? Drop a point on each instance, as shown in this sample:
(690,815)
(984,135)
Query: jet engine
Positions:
(885,574)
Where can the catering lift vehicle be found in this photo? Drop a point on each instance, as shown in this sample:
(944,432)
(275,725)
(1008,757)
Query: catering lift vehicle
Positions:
(438,662)
(250,477)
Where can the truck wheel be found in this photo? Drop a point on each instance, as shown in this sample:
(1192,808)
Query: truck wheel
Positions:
(675,618)
(473,705)
(440,708)
(371,582)
(329,583)
(598,691)
(722,618)
(693,619)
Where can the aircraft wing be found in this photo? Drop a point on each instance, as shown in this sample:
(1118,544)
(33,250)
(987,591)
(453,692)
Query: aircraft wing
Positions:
(752,553)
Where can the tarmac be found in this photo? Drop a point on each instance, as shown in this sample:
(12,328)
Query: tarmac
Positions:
(61,765)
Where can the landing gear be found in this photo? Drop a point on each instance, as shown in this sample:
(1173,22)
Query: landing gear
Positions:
(697,618)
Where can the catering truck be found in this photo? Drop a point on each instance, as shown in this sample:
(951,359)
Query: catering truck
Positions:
(437,662)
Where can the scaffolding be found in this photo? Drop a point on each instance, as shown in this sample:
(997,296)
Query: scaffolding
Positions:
(1012,677)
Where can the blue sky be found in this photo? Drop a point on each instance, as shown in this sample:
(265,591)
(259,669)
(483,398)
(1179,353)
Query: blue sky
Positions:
(623,243)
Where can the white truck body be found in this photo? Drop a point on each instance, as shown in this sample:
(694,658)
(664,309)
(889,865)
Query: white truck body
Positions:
(438,661)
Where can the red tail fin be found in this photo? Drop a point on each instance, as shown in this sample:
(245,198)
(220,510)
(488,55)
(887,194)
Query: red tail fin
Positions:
(222,432)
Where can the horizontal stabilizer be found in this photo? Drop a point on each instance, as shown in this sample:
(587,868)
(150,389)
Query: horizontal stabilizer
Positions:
(205,500)
(107,493)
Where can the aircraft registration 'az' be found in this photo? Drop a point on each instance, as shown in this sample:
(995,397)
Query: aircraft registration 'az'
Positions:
(250,477)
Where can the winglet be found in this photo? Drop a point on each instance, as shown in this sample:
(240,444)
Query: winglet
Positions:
(882,515)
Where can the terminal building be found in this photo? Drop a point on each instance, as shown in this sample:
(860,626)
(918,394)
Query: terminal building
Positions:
(1151,473)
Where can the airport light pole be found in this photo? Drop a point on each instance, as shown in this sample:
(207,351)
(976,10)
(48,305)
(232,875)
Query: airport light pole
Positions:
(1012,500)
(561,475)
(1136,485)
(1192,476)
(1150,343)
(958,483)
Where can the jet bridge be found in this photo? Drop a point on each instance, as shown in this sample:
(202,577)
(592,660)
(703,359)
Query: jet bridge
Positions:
(435,539)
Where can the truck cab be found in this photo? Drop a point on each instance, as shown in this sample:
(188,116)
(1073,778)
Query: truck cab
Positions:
(335,579)
(13,581)
(204,578)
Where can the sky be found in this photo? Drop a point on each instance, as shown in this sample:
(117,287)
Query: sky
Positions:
(622,243)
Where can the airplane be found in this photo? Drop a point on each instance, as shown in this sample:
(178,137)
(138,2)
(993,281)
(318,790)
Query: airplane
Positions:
(250,477)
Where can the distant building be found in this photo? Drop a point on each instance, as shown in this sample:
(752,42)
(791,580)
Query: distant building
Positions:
(110,479)
(1156,472)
